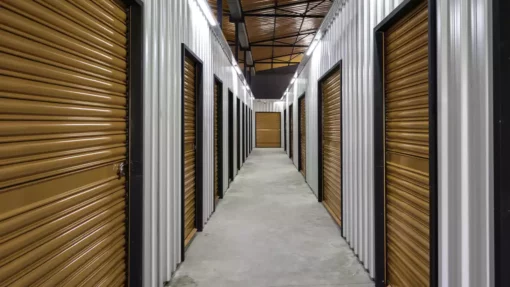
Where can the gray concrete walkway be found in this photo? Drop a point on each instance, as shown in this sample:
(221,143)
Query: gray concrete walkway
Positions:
(270,231)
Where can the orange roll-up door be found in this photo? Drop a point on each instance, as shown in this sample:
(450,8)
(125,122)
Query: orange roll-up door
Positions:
(216,162)
(190,136)
(407,150)
(331,145)
(63,143)
(302,135)
(268,129)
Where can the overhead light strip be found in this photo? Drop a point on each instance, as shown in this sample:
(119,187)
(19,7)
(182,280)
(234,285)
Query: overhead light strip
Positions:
(204,6)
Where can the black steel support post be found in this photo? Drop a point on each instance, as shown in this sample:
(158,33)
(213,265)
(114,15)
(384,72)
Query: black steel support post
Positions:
(237,42)
(244,66)
(219,12)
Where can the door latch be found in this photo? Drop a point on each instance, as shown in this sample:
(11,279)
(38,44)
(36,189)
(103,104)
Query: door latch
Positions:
(121,170)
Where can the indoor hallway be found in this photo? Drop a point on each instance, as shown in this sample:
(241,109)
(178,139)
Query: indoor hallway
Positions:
(269,230)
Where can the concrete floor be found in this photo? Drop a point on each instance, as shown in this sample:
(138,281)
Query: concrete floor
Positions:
(268,231)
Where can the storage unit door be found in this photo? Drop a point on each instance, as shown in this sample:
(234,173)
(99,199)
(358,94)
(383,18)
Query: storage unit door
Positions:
(332,145)
(63,143)
(189,150)
(268,129)
(216,145)
(302,136)
(407,150)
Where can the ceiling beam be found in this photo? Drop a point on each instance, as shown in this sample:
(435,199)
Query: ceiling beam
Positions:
(280,45)
(283,6)
(318,4)
(278,56)
(219,12)
(276,63)
(274,33)
(242,39)
(300,27)
(285,37)
(283,15)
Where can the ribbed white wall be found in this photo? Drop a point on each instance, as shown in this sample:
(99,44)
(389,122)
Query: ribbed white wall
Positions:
(350,39)
(465,143)
(167,25)
(270,106)
(464,130)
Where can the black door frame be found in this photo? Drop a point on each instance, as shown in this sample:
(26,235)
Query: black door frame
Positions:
(285,130)
(230,137)
(249,130)
(238,115)
(244,132)
(320,131)
(186,52)
(300,98)
(501,120)
(247,123)
(218,82)
(379,136)
(135,175)
(291,122)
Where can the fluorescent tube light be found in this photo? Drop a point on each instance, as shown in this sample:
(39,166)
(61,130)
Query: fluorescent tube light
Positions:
(238,70)
(207,11)
(312,47)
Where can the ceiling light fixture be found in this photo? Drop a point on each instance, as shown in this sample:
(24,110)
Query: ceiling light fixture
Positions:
(207,11)
(238,70)
(312,47)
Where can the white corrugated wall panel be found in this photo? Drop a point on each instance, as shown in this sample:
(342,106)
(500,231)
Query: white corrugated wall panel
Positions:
(464,130)
(269,106)
(349,39)
(465,143)
(167,25)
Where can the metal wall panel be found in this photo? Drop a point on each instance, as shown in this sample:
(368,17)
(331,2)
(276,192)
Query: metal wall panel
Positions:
(465,141)
(350,39)
(464,130)
(167,25)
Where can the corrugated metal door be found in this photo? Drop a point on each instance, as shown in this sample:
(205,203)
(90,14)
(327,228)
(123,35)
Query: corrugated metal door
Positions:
(268,129)
(331,145)
(63,140)
(407,150)
(216,164)
(302,135)
(190,136)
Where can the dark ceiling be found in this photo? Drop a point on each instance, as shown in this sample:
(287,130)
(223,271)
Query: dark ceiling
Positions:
(271,84)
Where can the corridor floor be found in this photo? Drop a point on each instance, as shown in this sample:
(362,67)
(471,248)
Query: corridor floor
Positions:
(270,231)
